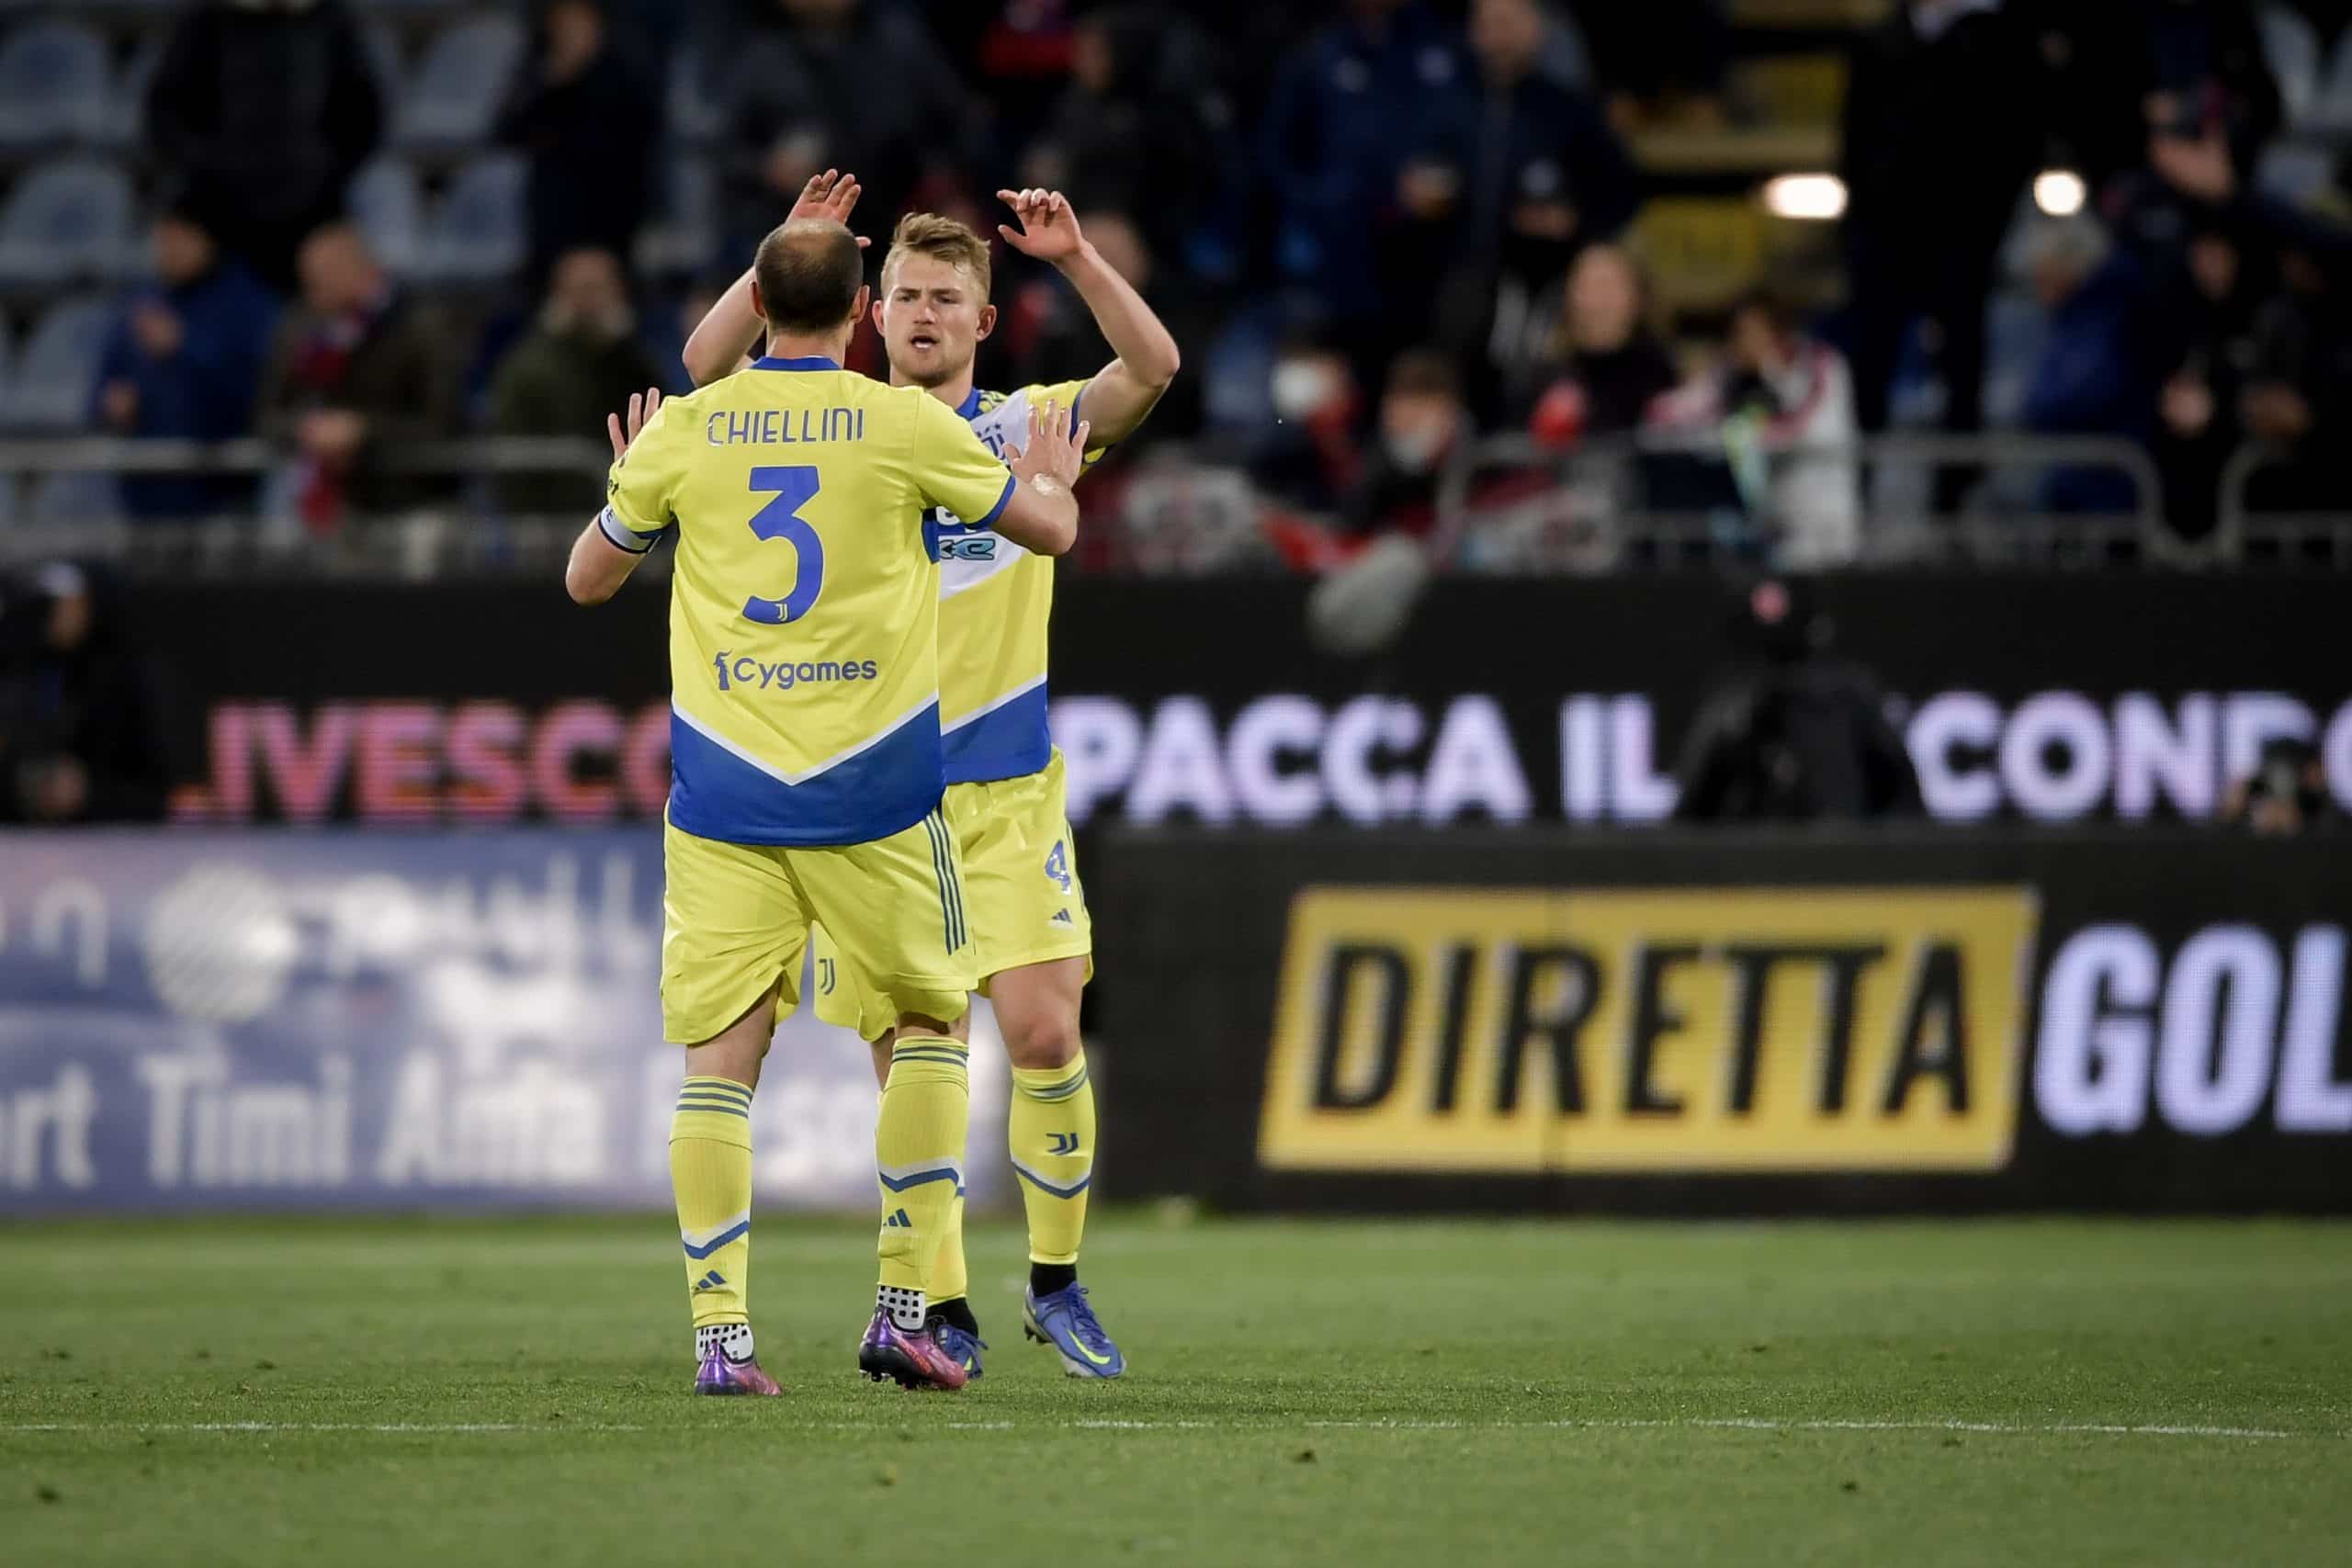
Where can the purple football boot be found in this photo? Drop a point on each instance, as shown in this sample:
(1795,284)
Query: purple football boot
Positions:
(914,1360)
(718,1375)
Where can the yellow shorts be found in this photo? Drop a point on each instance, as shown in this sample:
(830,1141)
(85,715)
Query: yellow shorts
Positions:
(1022,897)
(736,919)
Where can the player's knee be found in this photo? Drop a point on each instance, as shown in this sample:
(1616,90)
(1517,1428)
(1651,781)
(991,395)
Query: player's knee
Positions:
(734,1055)
(919,1024)
(1047,1038)
(737,1051)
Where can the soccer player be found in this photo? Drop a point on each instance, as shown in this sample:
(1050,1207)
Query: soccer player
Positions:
(1023,899)
(807,770)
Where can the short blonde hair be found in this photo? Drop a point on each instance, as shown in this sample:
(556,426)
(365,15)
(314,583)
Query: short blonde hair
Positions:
(934,234)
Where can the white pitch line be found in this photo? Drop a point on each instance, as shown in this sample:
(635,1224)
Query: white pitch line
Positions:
(1762,1424)
(1694,1423)
(439,1427)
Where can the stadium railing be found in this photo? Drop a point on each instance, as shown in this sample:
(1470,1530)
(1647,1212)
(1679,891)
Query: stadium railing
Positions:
(466,535)
(2241,533)
(1593,514)
(1505,505)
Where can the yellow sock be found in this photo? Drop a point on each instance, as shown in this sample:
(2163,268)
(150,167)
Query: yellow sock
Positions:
(1052,1135)
(949,1278)
(918,1157)
(710,1172)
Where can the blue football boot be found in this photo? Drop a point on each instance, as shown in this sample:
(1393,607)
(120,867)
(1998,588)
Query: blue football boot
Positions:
(1064,1320)
(962,1348)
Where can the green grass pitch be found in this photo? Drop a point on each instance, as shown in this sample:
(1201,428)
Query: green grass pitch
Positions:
(455,1392)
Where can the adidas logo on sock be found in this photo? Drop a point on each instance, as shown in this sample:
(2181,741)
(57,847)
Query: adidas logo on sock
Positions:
(711,1282)
(898,1219)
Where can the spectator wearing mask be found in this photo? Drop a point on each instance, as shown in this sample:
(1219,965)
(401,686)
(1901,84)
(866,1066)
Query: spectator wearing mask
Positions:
(81,724)
(579,363)
(2095,376)
(1305,456)
(1604,364)
(358,370)
(589,126)
(1421,422)
(261,110)
(845,84)
(1934,158)
(1511,180)
(1782,404)
(1344,116)
(182,362)
(1796,735)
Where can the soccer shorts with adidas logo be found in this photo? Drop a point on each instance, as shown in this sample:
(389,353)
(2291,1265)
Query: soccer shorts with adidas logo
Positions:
(1023,901)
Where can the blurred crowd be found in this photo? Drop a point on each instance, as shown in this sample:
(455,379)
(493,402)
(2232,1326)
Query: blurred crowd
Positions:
(1382,229)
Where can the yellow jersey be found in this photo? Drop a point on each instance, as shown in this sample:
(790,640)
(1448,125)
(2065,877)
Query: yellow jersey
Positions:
(996,600)
(804,607)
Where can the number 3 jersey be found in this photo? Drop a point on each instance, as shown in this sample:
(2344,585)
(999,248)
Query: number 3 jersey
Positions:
(996,600)
(804,660)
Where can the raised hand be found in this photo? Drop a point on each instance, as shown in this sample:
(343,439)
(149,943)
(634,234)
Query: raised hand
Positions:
(1048,229)
(831,195)
(1054,453)
(640,409)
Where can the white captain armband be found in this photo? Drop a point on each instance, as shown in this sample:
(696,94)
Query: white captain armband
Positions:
(622,538)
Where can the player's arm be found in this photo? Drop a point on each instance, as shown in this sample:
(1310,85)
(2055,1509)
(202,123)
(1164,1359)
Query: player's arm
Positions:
(1125,390)
(616,540)
(730,328)
(1032,504)
(1041,512)
(725,336)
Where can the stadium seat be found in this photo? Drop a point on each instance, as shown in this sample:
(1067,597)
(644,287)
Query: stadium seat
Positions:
(477,232)
(76,497)
(2293,52)
(49,386)
(2017,329)
(54,85)
(1791,89)
(386,204)
(694,104)
(383,46)
(2294,172)
(8,368)
(2331,113)
(455,92)
(684,236)
(71,217)
(1703,250)
(126,113)
(1237,374)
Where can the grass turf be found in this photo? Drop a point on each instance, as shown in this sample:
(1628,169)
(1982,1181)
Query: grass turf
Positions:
(275,1391)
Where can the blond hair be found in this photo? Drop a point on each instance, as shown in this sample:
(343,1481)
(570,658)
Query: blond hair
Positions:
(942,238)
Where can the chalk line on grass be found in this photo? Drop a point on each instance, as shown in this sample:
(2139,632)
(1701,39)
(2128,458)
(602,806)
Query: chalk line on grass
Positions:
(1373,1424)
